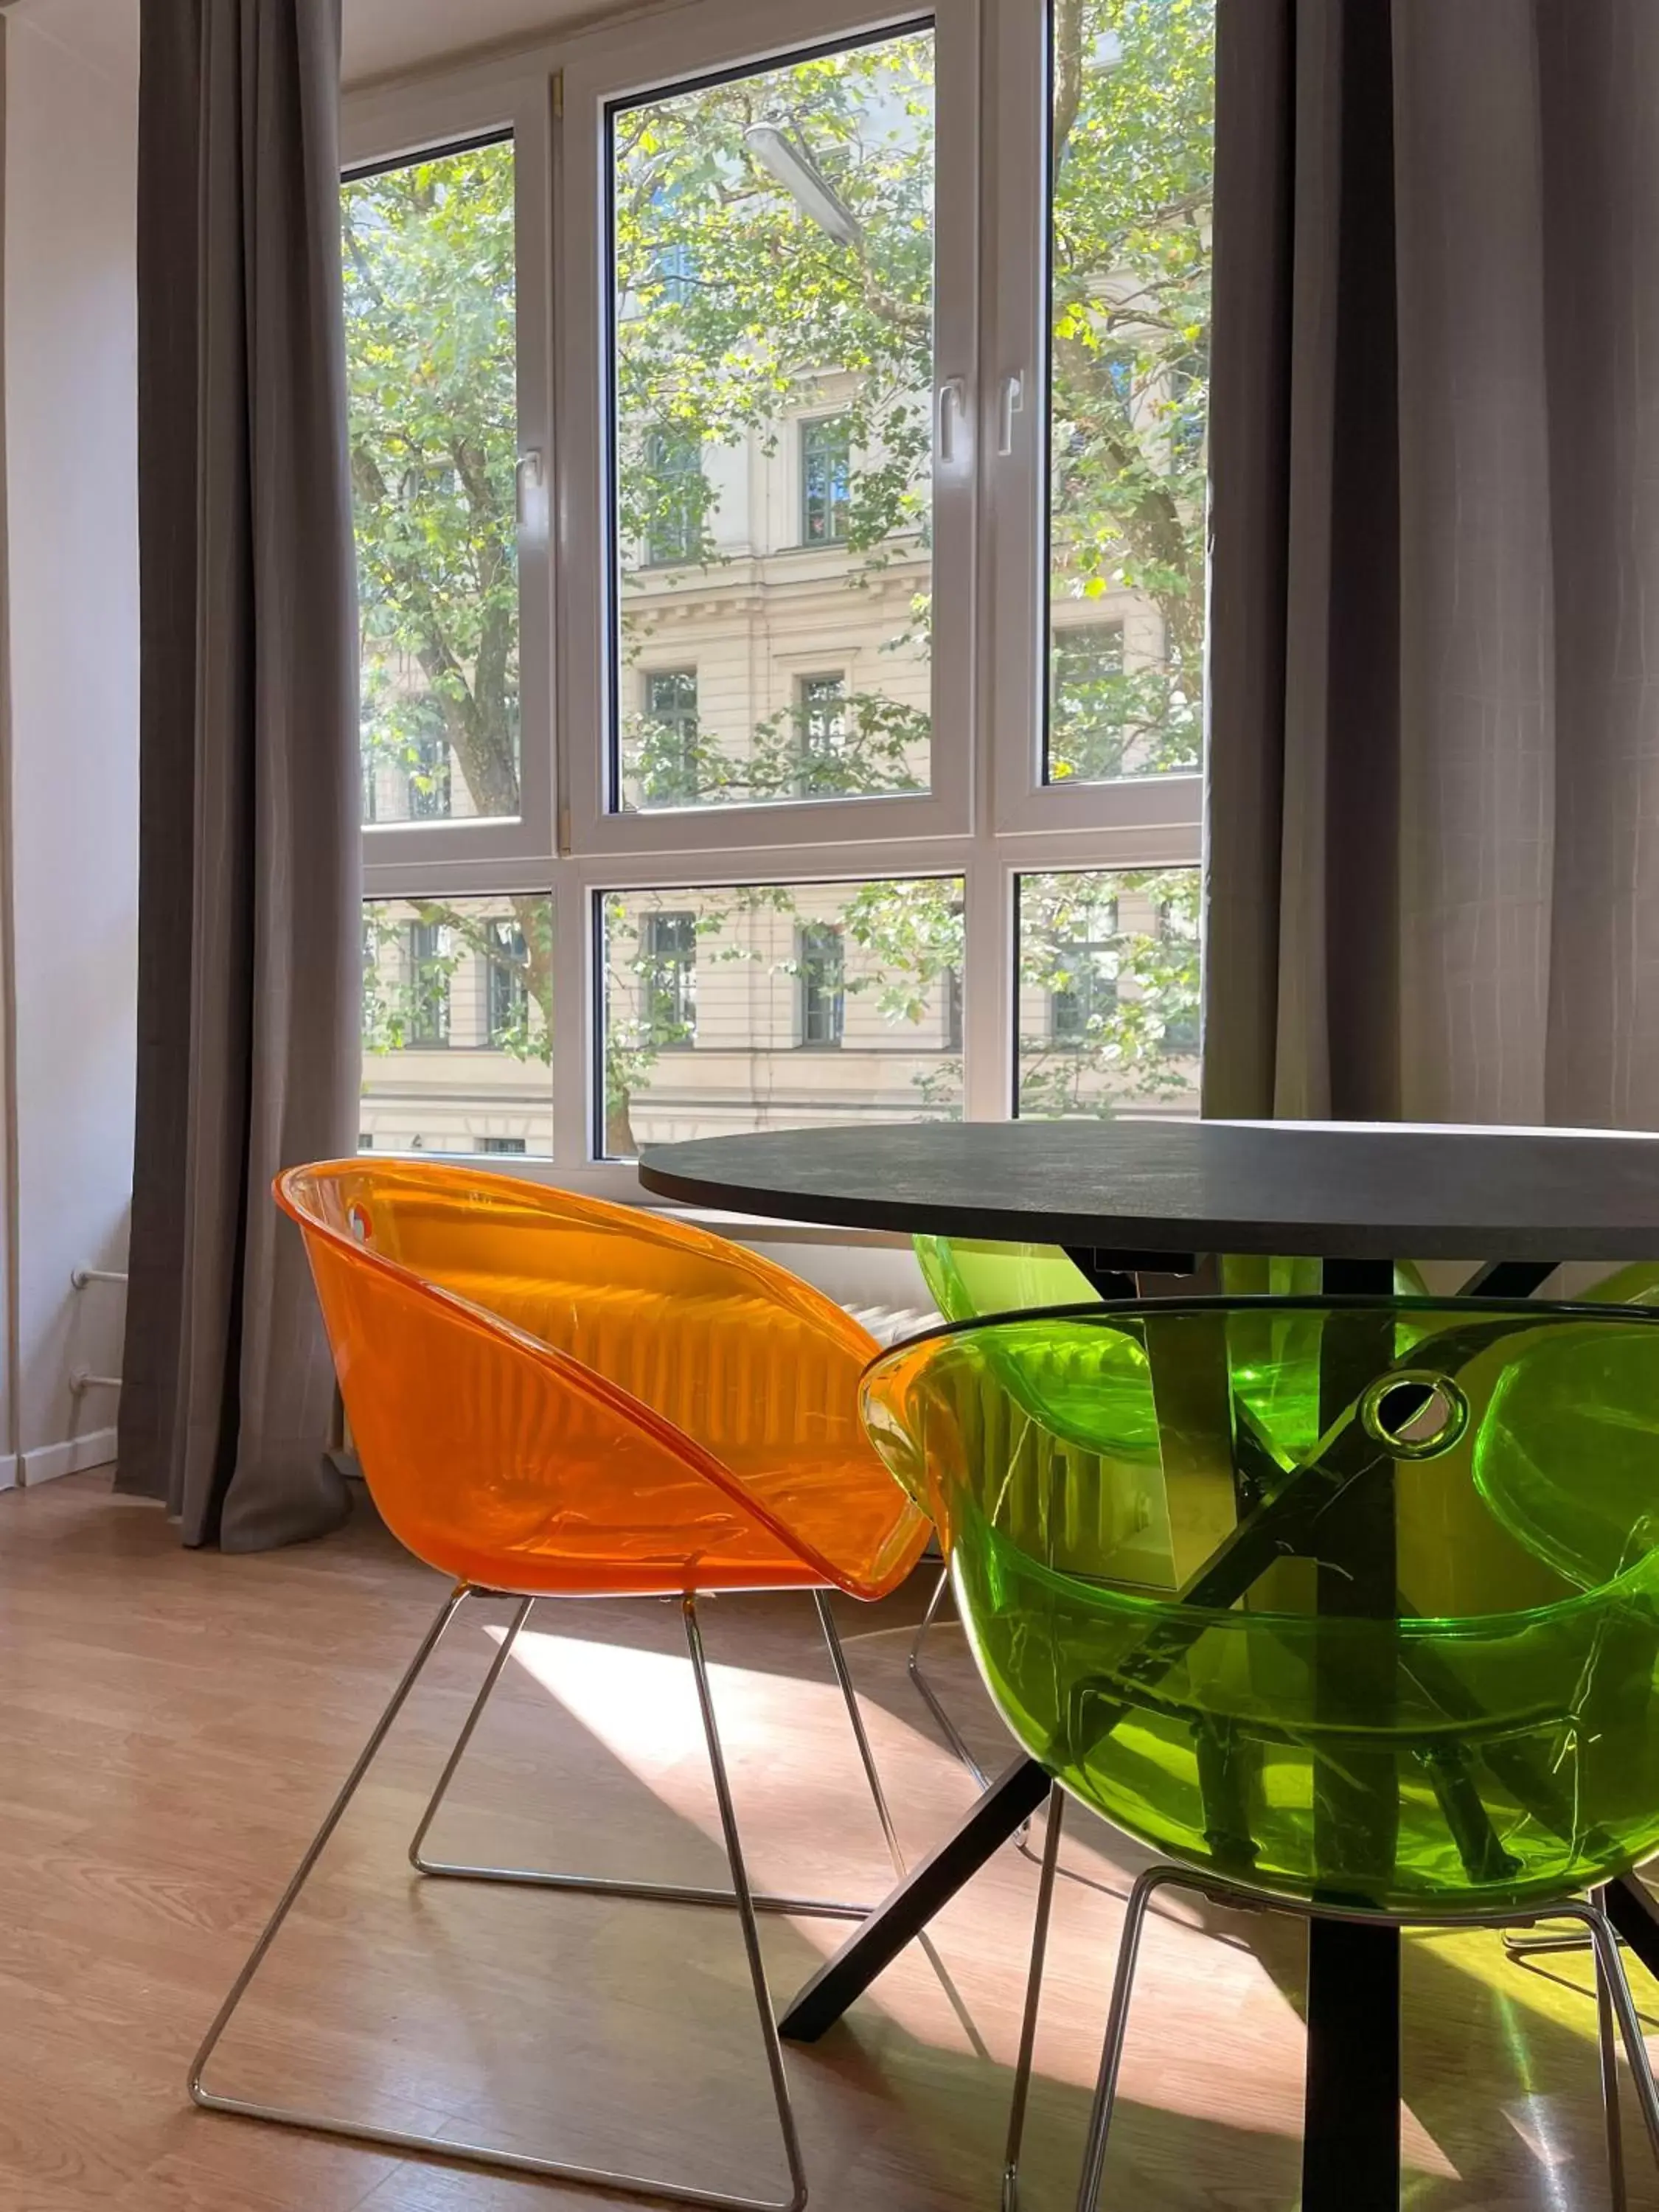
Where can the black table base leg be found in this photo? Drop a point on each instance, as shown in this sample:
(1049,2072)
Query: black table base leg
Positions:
(1351,2149)
(1002,1811)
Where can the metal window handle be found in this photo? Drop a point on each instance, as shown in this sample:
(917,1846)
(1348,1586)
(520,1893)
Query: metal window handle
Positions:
(952,411)
(1011,401)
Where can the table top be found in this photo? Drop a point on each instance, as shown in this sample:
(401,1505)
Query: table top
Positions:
(1362,1191)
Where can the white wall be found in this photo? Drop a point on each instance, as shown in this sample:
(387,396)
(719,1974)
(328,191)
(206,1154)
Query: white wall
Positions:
(70,432)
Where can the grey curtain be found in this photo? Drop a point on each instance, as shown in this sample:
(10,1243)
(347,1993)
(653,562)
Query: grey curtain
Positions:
(249,919)
(1433,836)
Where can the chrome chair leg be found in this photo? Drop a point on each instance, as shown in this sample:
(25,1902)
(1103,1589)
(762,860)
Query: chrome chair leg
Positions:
(1520,1943)
(1611,1977)
(1608,2051)
(485,2154)
(1117,2023)
(475,1714)
(854,1714)
(1028,2026)
(662,1893)
(746,1915)
(1613,1989)
(930,1697)
(313,1851)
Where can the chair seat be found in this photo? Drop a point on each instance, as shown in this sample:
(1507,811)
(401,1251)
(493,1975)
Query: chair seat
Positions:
(671,1540)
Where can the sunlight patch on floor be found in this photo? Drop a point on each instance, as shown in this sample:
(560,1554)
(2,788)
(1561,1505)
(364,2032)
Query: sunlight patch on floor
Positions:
(640,1706)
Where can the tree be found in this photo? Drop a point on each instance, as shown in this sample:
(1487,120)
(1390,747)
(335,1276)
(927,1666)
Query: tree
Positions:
(733,302)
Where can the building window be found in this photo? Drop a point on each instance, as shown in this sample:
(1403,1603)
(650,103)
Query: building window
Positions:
(1088,704)
(1188,411)
(507,1146)
(821,722)
(677,269)
(365,1141)
(669,979)
(420,765)
(674,498)
(1175,942)
(820,961)
(1084,992)
(508,985)
(425,979)
(826,481)
(668,754)
(427,770)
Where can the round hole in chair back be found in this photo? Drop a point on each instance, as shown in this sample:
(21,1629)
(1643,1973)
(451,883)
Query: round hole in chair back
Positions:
(1414,1413)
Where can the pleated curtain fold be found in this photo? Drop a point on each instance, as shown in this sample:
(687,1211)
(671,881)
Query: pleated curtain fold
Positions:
(1432,849)
(249,930)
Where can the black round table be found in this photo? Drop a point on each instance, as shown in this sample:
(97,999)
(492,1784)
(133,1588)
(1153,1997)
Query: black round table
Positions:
(1128,1195)
(1365,1192)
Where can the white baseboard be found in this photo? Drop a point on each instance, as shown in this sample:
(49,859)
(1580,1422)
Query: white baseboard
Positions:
(73,1457)
(8,1471)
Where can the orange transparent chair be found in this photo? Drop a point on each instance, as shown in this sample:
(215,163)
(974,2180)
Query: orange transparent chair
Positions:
(551,1396)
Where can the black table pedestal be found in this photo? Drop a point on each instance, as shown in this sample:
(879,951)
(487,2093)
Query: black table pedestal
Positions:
(1351,2131)
(998,1815)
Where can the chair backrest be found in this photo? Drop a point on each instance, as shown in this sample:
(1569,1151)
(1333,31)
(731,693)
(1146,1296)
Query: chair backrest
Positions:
(1637,1286)
(1444,1603)
(626,1400)
(968,1278)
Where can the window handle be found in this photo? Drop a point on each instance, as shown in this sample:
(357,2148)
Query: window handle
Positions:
(952,415)
(528,480)
(1011,401)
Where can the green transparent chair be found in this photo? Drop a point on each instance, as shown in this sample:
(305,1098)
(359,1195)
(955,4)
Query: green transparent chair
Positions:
(1366,1677)
(969,1279)
(1275,1378)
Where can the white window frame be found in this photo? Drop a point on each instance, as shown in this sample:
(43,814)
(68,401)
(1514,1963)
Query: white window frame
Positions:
(989,817)
(613,65)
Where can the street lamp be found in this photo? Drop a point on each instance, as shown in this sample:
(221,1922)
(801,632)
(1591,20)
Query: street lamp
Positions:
(782,156)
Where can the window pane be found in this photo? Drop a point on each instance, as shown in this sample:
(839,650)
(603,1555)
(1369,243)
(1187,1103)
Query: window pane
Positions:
(1109,993)
(456,1025)
(780,1005)
(1132,149)
(773,352)
(430,354)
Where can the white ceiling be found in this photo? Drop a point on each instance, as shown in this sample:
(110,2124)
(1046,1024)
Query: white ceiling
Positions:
(385,36)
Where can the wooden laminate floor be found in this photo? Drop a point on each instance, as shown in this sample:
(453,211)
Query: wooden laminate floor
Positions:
(173,1725)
